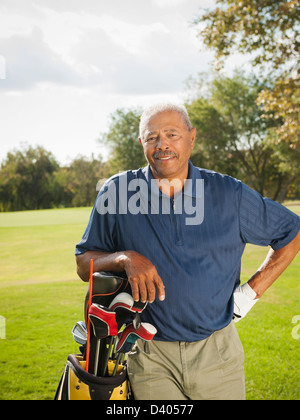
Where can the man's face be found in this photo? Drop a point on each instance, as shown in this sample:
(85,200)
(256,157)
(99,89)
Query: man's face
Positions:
(167,144)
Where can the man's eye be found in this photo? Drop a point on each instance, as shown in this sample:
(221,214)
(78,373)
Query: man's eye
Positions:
(151,139)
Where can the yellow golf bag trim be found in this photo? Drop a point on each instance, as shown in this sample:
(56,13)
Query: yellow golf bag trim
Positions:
(77,384)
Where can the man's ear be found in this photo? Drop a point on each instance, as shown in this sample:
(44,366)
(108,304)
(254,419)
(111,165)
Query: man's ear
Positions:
(193,136)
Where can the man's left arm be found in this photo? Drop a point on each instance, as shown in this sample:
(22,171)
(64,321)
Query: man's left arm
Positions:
(274,265)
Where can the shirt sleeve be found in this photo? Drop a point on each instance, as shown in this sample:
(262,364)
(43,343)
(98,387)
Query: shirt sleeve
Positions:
(265,222)
(100,233)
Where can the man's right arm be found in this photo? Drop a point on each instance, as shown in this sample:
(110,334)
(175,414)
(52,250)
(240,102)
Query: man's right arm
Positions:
(141,273)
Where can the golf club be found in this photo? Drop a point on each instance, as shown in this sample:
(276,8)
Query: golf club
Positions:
(104,324)
(146,332)
(139,306)
(89,303)
(79,332)
(128,338)
(121,305)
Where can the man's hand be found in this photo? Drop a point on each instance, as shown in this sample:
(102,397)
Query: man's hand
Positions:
(141,273)
(244,299)
(143,277)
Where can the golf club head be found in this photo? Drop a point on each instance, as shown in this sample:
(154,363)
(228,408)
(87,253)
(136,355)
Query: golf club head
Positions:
(79,332)
(122,305)
(103,321)
(130,334)
(106,285)
(128,344)
(124,299)
(139,306)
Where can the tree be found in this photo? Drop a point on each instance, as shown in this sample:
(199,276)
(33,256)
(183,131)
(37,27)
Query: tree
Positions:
(269,30)
(267,27)
(32,179)
(283,103)
(122,140)
(79,181)
(211,148)
(27,180)
(234,138)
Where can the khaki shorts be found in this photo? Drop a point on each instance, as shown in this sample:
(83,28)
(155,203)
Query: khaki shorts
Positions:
(212,369)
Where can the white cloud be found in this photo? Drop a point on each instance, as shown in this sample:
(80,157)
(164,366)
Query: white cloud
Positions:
(167,3)
(69,64)
(30,61)
(91,50)
(128,36)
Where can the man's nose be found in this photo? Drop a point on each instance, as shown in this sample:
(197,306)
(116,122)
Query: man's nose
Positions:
(162,142)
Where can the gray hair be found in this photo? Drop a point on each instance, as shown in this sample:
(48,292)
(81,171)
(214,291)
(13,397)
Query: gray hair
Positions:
(164,107)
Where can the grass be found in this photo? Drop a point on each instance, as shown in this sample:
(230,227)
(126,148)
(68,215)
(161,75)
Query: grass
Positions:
(39,245)
(42,298)
(271,353)
(39,319)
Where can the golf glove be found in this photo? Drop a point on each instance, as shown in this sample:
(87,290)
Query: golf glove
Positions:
(243,301)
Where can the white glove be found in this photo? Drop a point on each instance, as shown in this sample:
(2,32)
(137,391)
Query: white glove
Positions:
(243,301)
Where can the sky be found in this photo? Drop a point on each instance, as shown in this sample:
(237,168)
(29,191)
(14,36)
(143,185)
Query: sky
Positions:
(67,65)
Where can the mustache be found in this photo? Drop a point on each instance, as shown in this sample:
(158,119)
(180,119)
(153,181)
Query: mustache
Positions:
(166,153)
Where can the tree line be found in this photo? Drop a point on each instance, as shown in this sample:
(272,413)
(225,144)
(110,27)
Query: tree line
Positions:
(233,137)
(248,125)
(32,179)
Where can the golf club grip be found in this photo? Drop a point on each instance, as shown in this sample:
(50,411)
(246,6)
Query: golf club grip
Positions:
(91,358)
(103,357)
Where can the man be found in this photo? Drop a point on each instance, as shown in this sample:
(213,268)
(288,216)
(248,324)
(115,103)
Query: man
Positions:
(180,242)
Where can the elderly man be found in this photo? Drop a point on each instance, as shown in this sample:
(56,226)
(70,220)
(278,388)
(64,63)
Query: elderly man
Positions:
(179,233)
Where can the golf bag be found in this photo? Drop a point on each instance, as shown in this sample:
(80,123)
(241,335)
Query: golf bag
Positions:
(78,384)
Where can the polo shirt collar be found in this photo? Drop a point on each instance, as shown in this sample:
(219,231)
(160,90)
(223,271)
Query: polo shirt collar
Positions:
(189,188)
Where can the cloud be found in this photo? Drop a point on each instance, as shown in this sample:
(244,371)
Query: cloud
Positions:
(167,3)
(29,61)
(127,57)
(69,64)
(117,47)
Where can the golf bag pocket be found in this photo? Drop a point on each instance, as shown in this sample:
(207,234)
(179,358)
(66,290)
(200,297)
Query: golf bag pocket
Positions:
(77,384)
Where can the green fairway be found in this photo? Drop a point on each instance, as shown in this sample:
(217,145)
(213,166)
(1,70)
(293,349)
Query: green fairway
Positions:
(42,298)
(39,245)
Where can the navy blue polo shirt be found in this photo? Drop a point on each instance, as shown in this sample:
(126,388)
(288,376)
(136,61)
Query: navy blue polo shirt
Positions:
(195,241)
